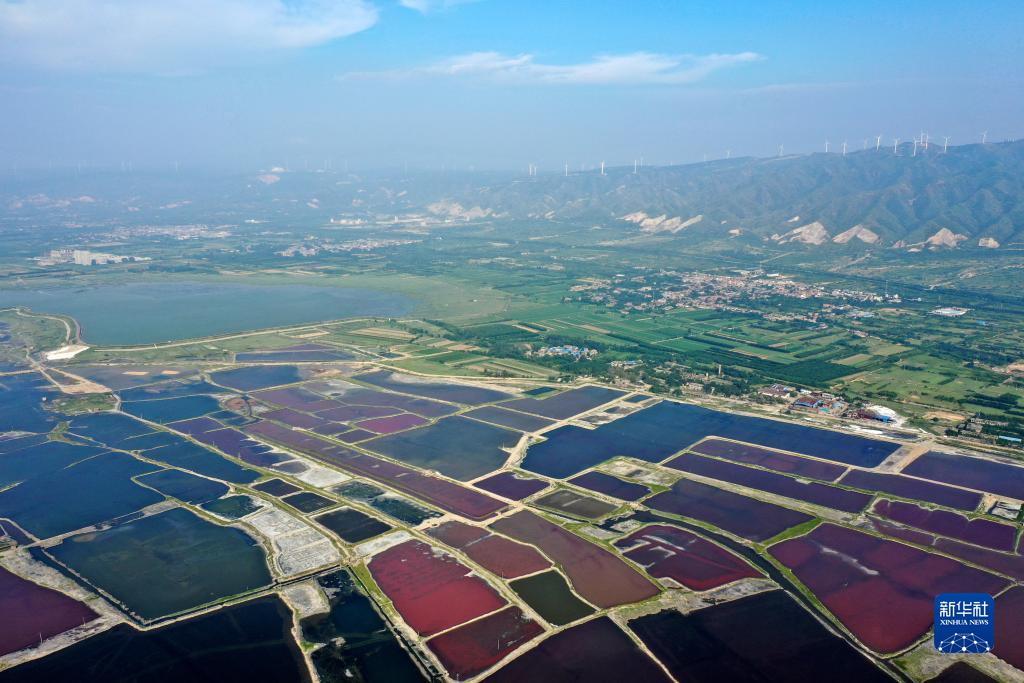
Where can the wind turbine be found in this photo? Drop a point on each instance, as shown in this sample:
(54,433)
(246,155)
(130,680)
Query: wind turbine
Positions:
(984,136)
(781,148)
(728,154)
(844,148)
(566,169)
(602,168)
(878,142)
(895,145)
(945,143)
(826,146)
(635,162)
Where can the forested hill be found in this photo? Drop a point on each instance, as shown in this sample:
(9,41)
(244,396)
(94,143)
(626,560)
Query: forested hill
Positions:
(971,193)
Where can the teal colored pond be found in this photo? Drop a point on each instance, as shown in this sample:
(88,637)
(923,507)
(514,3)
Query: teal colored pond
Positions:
(232,507)
(167,563)
(149,312)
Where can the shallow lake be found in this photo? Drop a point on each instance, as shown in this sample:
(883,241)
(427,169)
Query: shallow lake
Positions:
(149,312)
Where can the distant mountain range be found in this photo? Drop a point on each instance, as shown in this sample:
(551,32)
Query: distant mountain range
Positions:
(972,196)
(969,198)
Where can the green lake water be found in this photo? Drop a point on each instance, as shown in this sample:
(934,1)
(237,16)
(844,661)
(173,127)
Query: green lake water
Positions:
(149,312)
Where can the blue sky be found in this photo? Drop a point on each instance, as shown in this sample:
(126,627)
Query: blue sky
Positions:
(493,83)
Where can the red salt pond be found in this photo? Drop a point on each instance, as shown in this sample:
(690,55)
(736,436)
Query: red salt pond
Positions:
(944,523)
(908,487)
(496,554)
(686,558)
(468,650)
(882,591)
(30,613)
(390,425)
(1009,621)
(770,459)
(431,589)
(598,575)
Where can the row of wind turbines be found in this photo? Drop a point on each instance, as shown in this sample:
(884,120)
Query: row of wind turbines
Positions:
(920,142)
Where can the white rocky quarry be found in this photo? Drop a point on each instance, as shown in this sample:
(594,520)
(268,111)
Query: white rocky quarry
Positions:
(661,223)
(858,232)
(454,210)
(945,238)
(811,233)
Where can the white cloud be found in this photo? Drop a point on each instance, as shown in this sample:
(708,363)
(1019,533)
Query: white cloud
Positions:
(168,35)
(632,68)
(428,6)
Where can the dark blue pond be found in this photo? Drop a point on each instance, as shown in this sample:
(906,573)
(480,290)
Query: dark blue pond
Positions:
(108,428)
(187,455)
(655,433)
(257,377)
(242,644)
(92,491)
(184,486)
(17,443)
(38,459)
(122,431)
(21,403)
(172,409)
